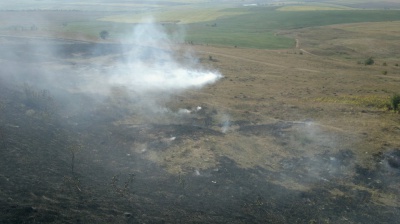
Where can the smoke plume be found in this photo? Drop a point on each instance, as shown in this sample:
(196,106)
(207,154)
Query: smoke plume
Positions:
(150,65)
(145,67)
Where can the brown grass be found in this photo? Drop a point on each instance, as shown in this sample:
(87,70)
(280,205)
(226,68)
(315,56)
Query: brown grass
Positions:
(345,99)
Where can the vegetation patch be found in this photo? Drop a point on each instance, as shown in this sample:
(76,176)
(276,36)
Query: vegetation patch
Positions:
(395,102)
(369,61)
(378,102)
(310,8)
(182,15)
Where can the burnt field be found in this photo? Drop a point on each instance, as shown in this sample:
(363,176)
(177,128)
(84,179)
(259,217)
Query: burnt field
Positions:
(76,150)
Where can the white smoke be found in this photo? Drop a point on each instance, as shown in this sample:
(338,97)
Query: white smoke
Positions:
(140,75)
(144,77)
(151,66)
(225,120)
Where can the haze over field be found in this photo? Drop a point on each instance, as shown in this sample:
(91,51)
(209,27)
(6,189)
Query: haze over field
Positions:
(199,111)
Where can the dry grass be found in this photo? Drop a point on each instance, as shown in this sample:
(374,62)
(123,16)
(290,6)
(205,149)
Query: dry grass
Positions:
(355,41)
(182,15)
(311,8)
(346,102)
(379,102)
(263,86)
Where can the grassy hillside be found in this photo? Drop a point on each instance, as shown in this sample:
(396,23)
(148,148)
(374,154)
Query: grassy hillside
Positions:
(213,23)
(254,27)
(259,26)
(356,41)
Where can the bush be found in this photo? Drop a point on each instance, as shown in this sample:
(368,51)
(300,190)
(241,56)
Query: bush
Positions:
(369,61)
(395,102)
(104,34)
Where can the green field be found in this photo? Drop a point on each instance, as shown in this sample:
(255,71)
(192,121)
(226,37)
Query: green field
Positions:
(213,23)
(258,29)
(254,27)
(181,15)
(312,7)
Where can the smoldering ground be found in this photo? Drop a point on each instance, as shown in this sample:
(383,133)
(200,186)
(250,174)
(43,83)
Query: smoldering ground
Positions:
(59,105)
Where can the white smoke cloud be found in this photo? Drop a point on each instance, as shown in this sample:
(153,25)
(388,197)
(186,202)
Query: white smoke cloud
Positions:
(144,77)
(144,71)
(151,66)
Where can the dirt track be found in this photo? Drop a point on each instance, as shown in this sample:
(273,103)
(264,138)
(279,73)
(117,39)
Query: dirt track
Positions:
(256,61)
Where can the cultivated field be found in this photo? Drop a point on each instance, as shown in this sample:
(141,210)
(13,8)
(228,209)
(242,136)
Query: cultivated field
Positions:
(300,128)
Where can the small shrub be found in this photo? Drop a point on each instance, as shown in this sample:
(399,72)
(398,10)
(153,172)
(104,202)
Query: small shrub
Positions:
(384,64)
(104,34)
(397,64)
(384,72)
(369,61)
(395,101)
(210,58)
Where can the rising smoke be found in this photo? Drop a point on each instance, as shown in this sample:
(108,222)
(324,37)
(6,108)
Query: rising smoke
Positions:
(145,67)
(152,73)
(151,66)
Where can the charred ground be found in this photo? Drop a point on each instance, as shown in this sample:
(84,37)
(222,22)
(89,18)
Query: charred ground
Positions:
(69,156)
